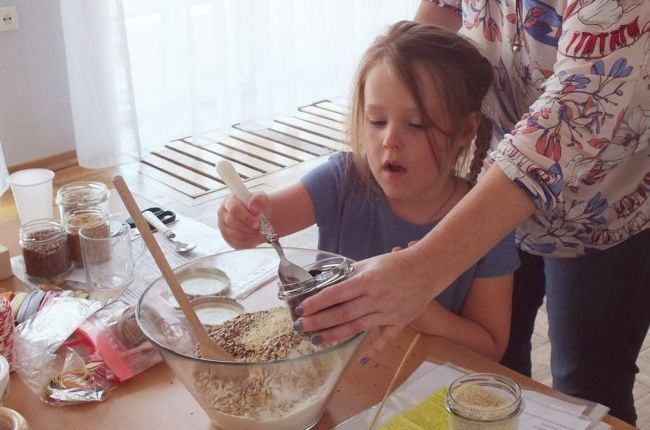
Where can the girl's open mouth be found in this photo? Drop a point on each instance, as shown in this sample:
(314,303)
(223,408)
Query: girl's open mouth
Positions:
(394,167)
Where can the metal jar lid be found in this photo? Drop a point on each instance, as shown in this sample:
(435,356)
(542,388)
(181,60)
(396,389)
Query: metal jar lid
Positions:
(216,310)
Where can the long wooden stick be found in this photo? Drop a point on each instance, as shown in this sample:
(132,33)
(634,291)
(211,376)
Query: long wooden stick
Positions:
(392,382)
(209,349)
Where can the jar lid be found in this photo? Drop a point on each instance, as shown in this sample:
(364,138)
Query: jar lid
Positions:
(82,193)
(216,310)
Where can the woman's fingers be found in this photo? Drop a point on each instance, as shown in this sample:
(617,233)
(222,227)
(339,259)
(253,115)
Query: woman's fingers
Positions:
(344,331)
(387,337)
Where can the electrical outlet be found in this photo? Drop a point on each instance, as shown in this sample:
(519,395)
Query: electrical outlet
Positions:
(9,18)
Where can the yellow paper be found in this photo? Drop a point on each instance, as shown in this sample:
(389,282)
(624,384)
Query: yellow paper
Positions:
(430,414)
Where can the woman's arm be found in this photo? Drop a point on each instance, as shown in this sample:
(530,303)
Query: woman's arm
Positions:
(446,17)
(491,210)
(484,323)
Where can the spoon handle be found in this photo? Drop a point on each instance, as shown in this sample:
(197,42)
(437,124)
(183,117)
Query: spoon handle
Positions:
(233,181)
(239,190)
(158,225)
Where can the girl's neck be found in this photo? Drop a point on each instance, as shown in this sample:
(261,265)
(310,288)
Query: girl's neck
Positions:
(430,209)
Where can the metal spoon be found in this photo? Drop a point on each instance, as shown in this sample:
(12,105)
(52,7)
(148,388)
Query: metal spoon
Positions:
(158,225)
(288,272)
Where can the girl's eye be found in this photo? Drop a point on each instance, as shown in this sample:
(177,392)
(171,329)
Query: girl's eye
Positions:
(376,122)
(416,126)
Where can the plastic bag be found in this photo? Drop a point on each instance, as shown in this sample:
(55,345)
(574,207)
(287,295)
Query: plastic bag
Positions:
(113,336)
(38,338)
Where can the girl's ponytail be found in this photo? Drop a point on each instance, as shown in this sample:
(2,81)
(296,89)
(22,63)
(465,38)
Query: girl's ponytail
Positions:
(481,147)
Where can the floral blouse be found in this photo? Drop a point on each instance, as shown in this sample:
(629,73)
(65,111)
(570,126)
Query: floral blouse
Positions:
(571,114)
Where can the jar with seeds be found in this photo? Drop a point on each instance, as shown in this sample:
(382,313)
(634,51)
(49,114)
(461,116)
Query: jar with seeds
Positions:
(45,251)
(483,401)
(81,203)
(76,219)
(84,195)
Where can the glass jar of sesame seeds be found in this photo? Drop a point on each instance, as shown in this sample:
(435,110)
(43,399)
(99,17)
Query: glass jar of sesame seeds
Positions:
(483,401)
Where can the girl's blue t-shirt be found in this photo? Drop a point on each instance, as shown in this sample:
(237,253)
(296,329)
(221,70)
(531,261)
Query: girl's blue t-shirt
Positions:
(359,225)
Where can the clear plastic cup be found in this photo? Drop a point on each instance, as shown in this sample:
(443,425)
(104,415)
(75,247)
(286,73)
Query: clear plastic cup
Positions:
(32,190)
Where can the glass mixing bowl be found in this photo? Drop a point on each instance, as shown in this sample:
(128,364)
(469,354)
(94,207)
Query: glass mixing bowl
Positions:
(283,394)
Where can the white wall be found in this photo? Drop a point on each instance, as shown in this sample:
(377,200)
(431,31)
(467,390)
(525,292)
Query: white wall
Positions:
(35,116)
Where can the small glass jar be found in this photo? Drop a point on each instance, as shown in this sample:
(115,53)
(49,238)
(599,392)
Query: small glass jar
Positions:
(77,219)
(44,247)
(484,401)
(77,196)
(325,272)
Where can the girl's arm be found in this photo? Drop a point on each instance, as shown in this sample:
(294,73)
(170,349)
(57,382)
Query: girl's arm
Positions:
(430,13)
(289,210)
(292,209)
(484,324)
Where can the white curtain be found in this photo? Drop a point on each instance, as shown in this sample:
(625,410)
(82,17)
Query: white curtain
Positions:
(4,174)
(144,72)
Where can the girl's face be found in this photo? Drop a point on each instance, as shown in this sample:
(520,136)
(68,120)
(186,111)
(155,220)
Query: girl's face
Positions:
(399,154)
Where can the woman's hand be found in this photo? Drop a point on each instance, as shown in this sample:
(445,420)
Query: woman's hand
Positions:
(382,294)
(239,224)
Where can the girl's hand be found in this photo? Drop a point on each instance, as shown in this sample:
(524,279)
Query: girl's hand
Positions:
(382,294)
(239,224)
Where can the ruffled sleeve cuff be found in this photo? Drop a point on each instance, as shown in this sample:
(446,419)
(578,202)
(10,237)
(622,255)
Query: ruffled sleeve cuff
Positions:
(542,184)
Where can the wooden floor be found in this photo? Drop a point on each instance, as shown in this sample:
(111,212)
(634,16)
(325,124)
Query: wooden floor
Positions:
(187,165)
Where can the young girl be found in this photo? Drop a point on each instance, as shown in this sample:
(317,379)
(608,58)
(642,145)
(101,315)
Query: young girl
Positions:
(415,114)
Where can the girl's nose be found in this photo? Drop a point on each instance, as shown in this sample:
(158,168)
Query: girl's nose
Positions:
(392,139)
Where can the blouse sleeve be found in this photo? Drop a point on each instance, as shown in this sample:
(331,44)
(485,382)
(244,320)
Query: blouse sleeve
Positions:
(560,141)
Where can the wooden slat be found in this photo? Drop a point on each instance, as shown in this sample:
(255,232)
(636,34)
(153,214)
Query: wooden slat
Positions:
(270,145)
(312,128)
(333,107)
(319,111)
(245,148)
(171,181)
(309,137)
(319,120)
(291,142)
(256,151)
(237,156)
(207,159)
(181,172)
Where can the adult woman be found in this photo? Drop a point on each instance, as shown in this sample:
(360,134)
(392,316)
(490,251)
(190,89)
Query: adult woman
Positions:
(571,108)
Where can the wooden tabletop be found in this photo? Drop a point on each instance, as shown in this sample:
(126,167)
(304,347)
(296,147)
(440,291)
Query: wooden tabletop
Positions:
(156,399)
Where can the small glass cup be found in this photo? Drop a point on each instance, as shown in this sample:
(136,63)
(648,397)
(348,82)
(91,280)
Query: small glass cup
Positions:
(45,250)
(484,401)
(107,253)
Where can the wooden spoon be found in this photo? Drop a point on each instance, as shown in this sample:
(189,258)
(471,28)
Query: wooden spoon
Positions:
(209,349)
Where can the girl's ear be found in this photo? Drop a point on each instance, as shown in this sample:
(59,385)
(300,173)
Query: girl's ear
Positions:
(469,129)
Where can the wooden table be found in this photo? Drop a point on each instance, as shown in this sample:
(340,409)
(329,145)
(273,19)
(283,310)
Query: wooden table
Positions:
(157,400)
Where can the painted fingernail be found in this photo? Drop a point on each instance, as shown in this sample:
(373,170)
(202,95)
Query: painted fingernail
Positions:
(297,325)
(364,361)
(316,340)
(298,310)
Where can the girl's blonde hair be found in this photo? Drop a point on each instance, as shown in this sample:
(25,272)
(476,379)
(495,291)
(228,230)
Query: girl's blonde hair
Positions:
(462,77)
